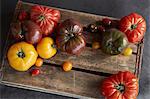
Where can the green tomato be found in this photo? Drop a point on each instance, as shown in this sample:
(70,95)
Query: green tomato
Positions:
(114,42)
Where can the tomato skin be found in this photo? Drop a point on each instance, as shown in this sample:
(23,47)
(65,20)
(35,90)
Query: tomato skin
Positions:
(23,16)
(21,56)
(45,48)
(35,72)
(69,37)
(95,45)
(67,66)
(127,52)
(127,79)
(39,62)
(114,41)
(45,17)
(134,26)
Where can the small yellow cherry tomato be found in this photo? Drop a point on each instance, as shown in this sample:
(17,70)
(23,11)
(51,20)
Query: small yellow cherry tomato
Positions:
(67,66)
(39,62)
(95,45)
(127,51)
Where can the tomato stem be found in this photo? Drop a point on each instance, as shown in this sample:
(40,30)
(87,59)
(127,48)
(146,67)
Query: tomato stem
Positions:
(21,54)
(41,17)
(120,87)
(133,26)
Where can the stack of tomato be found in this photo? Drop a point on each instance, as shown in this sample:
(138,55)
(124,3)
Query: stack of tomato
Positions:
(32,31)
(117,34)
(115,37)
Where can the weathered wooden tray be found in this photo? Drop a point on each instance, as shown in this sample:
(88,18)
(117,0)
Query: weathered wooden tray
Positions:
(89,69)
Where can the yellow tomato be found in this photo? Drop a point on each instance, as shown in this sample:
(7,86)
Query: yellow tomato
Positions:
(39,62)
(45,48)
(67,66)
(95,45)
(22,56)
(127,51)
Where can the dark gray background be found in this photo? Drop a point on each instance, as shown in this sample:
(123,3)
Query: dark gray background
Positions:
(114,8)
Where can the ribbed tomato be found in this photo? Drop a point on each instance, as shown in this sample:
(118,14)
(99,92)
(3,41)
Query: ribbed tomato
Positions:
(69,37)
(45,17)
(134,26)
(123,85)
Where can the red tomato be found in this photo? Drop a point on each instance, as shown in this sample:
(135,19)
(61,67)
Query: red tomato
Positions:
(35,72)
(134,26)
(23,16)
(123,85)
(45,17)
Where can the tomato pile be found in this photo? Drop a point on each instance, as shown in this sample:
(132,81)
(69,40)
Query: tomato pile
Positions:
(33,33)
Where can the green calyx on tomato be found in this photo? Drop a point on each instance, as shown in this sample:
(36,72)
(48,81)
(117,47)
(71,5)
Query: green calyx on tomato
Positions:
(41,17)
(120,87)
(21,54)
(133,26)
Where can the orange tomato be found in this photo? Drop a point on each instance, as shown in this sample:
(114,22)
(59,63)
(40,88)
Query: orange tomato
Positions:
(95,45)
(39,62)
(67,66)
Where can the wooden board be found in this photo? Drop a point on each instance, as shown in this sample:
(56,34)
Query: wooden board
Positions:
(89,68)
(55,80)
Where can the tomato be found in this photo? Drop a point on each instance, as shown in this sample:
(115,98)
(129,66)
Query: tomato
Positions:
(134,26)
(106,21)
(22,56)
(123,85)
(127,51)
(69,37)
(45,48)
(35,72)
(16,30)
(67,66)
(23,15)
(45,17)
(95,45)
(114,41)
(32,32)
(39,62)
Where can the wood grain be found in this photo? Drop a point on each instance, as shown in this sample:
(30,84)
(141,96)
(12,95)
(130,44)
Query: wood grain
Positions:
(96,60)
(56,80)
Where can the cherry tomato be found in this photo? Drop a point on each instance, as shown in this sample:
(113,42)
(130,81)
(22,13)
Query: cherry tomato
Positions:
(35,72)
(95,45)
(101,28)
(106,22)
(22,15)
(127,51)
(39,62)
(67,66)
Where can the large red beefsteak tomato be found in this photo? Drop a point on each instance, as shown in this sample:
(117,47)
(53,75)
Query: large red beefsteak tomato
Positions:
(123,85)
(45,17)
(134,26)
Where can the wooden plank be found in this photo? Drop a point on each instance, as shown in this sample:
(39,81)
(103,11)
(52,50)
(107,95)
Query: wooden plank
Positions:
(96,60)
(55,80)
